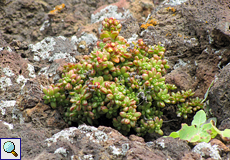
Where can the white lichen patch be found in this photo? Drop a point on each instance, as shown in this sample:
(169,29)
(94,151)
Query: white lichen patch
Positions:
(36,58)
(43,48)
(149,144)
(61,55)
(5,82)
(193,42)
(61,151)
(88,38)
(50,71)
(11,126)
(82,46)
(8,49)
(115,151)
(125,148)
(45,25)
(8,72)
(161,143)
(21,79)
(195,63)
(56,77)
(62,37)
(219,65)
(5,104)
(210,39)
(212,151)
(100,136)
(173,2)
(109,11)
(73,41)
(180,64)
(85,129)
(17,114)
(31,71)
(93,133)
(88,157)
(66,134)
(133,38)
(44,71)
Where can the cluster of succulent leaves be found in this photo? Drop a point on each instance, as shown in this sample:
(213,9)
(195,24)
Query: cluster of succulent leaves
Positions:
(201,130)
(120,81)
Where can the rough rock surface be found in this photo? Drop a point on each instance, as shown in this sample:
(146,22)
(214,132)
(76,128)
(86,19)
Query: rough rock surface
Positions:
(87,142)
(35,46)
(220,97)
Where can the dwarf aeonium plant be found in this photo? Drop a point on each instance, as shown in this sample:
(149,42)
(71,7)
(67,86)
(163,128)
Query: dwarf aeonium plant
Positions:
(121,81)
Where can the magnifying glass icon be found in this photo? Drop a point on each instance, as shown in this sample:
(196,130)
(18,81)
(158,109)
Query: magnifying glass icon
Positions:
(9,147)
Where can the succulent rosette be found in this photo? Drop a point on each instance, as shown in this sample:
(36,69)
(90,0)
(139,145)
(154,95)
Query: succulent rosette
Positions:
(124,82)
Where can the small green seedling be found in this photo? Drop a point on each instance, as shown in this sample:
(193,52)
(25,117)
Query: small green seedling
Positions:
(201,130)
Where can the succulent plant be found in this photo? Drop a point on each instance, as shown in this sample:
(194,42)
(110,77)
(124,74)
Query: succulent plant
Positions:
(121,81)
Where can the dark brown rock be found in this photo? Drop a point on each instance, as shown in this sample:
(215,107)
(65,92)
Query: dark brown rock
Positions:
(219,95)
(170,147)
(101,143)
(221,145)
(180,78)
(42,115)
